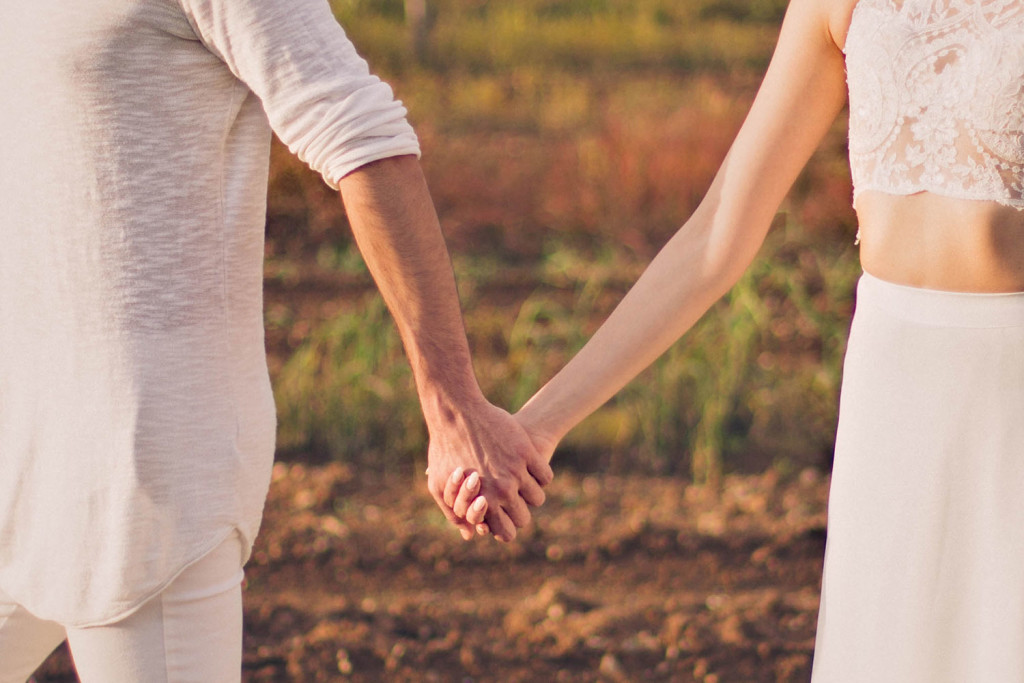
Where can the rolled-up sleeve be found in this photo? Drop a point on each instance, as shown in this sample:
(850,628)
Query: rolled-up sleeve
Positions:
(318,93)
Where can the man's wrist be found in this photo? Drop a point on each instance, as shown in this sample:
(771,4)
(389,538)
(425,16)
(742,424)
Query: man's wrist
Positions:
(446,403)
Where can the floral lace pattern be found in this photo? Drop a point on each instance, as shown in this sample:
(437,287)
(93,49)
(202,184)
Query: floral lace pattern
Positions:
(937,98)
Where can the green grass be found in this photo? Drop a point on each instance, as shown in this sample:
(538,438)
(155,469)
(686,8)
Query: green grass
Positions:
(759,374)
(347,391)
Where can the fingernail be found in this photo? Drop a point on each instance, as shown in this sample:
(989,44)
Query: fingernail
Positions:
(479,504)
(457,475)
(473,481)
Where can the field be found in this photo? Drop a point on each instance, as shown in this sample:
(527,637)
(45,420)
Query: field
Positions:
(620,579)
(564,141)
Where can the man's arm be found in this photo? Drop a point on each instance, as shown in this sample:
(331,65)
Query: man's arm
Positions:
(397,231)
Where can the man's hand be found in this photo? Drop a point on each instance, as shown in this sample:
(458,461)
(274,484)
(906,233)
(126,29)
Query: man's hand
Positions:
(485,452)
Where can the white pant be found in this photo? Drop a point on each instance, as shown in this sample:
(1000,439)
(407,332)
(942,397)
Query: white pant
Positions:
(190,632)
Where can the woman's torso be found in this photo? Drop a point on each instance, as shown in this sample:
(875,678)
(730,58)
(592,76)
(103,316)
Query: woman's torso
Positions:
(937,140)
(936,242)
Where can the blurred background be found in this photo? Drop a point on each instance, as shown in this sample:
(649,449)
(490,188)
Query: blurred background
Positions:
(564,141)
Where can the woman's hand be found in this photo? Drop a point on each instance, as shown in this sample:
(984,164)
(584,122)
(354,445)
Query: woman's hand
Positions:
(462,495)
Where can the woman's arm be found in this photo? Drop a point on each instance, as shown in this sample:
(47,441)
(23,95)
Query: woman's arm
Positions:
(803,91)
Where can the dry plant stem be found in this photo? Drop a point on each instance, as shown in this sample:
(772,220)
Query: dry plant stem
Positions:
(802,93)
(396,228)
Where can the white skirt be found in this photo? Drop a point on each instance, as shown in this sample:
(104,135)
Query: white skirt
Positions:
(924,564)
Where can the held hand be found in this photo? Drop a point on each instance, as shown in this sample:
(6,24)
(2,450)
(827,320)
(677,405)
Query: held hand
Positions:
(461,494)
(462,488)
(511,472)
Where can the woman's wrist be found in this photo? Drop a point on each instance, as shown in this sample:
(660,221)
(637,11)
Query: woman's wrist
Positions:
(541,425)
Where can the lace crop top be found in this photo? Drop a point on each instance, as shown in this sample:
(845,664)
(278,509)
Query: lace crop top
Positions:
(937,98)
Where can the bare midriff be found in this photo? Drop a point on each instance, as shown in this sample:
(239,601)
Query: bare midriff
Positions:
(935,242)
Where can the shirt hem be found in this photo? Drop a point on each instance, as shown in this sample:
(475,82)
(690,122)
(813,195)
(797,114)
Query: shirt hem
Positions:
(135,605)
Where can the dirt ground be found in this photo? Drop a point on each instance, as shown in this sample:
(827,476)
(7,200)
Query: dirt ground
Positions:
(358,578)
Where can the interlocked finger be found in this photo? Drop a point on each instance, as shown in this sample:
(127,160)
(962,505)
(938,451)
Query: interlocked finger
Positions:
(452,485)
(477,511)
(531,492)
(541,471)
(467,493)
(517,511)
(465,528)
(501,525)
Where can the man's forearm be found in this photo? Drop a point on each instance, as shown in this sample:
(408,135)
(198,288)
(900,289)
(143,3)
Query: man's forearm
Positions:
(397,231)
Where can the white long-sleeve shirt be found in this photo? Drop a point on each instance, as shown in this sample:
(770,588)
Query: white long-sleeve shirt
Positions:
(136,417)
